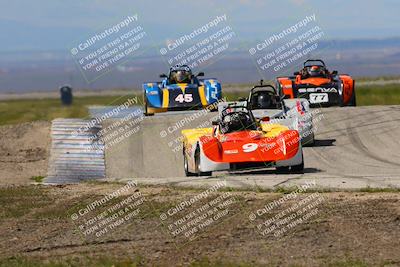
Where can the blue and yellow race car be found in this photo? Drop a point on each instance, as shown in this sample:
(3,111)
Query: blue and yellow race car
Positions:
(180,90)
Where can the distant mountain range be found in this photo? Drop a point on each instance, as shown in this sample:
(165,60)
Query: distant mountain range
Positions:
(44,70)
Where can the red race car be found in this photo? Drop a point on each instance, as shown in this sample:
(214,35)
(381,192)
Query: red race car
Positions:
(320,86)
(239,141)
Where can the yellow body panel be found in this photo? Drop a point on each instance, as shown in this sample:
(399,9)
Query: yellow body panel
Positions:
(273,129)
(191,136)
(202,95)
(165,101)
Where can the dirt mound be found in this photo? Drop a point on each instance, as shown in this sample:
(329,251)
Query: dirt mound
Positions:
(24,150)
(348,229)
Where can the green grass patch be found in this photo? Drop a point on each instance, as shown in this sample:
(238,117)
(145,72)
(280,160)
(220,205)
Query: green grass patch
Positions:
(37,179)
(72,262)
(378,95)
(18,201)
(366,95)
(27,110)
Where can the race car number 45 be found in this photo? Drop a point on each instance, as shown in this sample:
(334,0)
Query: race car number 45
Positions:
(319,98)
(181,98)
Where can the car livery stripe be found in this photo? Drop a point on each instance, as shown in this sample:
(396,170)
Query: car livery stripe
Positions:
(165,98)
(182,86)
(202,95)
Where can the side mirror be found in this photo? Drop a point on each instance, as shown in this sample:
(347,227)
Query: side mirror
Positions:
(163,75)
(335,72)
(200,74)
(296,73)
(215,123)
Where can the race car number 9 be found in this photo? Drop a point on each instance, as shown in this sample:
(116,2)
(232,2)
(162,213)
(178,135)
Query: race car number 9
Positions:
(181,98)
(250,147)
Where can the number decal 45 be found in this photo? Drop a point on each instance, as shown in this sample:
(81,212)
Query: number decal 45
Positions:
(184,98)
(250,147)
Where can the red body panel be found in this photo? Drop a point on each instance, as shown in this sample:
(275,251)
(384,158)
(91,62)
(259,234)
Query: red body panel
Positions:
(251,146)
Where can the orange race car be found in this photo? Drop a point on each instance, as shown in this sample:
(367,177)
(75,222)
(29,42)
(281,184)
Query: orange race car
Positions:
(320,86)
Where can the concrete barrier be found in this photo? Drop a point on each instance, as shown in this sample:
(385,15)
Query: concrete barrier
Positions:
(155,149)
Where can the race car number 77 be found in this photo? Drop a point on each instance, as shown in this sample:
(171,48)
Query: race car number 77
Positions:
(184,98)
(318,98)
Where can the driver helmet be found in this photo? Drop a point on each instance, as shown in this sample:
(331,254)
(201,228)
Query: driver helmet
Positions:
(182,76)
(315,71)
(237,122)
(264,100)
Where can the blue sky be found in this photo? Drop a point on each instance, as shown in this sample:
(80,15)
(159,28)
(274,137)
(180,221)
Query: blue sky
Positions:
(55,24)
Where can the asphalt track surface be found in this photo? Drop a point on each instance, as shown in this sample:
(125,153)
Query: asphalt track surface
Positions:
(356,147)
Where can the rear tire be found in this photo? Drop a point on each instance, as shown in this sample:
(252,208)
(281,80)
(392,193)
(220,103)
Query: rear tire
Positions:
(311,141)
(352,102)
(197,161)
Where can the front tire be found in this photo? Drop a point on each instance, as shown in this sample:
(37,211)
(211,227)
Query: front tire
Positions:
(186,165)
(197,161)
(298,168)
(283,169)
(146,110)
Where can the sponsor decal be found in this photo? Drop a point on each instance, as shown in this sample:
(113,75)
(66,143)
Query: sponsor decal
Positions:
(317,90)
(300,108)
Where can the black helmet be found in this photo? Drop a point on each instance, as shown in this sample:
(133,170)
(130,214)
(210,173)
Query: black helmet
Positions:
(181,74)
(264,100)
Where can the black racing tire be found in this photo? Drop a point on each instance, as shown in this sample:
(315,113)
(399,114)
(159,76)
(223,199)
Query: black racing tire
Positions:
(197,162)
(341,102)
(311,142)
(298,168)
(283,169)
(352,102)
(146,110)
(340,96)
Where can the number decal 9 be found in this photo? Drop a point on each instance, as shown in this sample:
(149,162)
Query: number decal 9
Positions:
(250,147)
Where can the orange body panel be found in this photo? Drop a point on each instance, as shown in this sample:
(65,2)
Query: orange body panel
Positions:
(348,87)
(287,88)
(314,81)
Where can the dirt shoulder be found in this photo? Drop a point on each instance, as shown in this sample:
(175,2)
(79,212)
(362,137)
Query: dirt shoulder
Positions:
(347,229)
(24,151)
